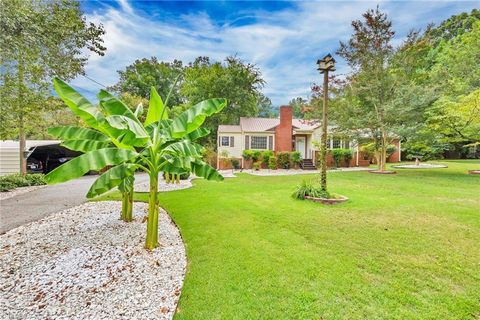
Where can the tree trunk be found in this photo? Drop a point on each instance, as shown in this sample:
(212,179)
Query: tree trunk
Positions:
(21,124)
(129,213)
(152,223)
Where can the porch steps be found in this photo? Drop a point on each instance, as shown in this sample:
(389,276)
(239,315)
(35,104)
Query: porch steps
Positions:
(307,164)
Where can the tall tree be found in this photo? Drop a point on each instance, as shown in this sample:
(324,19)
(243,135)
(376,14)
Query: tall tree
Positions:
(375,103)
(140,76)
(39,40)
(238,82)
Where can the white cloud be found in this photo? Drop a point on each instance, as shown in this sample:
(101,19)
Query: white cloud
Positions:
(284,44)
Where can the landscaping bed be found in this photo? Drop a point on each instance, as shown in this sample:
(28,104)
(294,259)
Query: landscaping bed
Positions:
(85,263)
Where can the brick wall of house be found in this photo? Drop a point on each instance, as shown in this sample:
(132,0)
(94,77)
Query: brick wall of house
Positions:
(395,157)
(223,164)
(284,131)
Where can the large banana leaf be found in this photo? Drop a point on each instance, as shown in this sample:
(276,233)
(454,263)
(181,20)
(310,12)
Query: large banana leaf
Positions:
(199,133)
(184,148)
(204,170)
(113,177)
(85,145)
(155,108)
(139,110)
(191,119)
(77,103)
(76,133)
(113,106)
(93,160)
(134,133)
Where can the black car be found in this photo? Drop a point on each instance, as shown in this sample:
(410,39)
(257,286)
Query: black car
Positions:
(34,165)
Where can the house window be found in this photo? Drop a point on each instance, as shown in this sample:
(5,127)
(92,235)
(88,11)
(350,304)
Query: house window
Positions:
(336,143)
(258,142)
(346,144)
(224,141)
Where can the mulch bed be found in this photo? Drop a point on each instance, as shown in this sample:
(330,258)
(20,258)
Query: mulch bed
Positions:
(331,201)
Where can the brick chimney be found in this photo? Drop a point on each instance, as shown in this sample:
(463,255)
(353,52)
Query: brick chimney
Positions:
(284,131)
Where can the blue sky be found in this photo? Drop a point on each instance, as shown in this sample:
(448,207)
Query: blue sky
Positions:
(283,38)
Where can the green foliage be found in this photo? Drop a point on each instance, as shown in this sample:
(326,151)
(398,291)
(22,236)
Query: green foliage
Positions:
(296,157)
(182,176)
(12,181)
(138,78)
(309,188)
(247,154)
(272,163)
(257,165)
(40,39)
(348,155)
(337,155)
(256,155)
(266,156)
(235,163)
(284,160)
(158,144)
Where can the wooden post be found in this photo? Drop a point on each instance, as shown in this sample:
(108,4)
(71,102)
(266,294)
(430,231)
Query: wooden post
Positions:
(323,151)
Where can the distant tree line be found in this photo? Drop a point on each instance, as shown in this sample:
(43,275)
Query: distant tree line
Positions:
(425,91)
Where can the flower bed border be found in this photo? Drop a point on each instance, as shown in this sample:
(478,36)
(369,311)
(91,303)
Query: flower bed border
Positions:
(328,201)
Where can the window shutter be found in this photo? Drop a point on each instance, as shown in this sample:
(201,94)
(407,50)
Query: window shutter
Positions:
(219,144)
(247,142)
(270,143)
(232,140)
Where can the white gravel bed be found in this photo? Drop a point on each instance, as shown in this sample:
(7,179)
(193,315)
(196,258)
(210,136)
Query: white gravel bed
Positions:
(163,186)
(85,263)
(18,191)
(420,166)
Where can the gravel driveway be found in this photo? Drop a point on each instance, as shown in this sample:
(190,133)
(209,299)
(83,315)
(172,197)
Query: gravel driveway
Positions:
(37,204)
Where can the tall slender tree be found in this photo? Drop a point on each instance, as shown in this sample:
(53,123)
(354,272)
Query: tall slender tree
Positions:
(40,40)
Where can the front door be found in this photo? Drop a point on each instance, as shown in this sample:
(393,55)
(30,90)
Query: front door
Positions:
(300,146)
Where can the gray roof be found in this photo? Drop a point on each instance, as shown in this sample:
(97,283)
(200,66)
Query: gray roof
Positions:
(230,129)
(268,124)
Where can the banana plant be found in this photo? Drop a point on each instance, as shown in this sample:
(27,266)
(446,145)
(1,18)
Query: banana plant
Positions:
(117,138)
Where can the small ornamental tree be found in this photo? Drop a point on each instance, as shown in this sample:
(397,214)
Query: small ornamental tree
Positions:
(158,144)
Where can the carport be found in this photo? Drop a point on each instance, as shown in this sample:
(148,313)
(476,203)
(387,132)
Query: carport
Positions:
(47,152)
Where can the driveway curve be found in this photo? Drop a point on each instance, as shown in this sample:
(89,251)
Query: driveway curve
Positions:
(37,204)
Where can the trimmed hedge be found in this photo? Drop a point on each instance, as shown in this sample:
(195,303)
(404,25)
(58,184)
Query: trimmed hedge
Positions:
(16,180)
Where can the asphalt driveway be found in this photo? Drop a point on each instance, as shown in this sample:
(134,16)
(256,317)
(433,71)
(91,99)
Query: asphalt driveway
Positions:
(37,204)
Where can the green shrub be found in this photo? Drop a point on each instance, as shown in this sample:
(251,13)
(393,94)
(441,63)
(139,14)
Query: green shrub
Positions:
(284,160)
(266,156)
(16,180)
(257,165)
(235,163)
(296,157)
(36,179)
(272,163)
(309,188)
(347,156)
(247,154)
(337,155)
(256,155)
(390,150)
(183,176)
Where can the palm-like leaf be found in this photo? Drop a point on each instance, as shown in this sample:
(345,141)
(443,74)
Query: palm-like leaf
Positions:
(191,119)
(116,176)
(93,160)
(156,109)
(76,133)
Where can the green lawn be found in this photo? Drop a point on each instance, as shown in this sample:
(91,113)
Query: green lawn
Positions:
(404,247)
